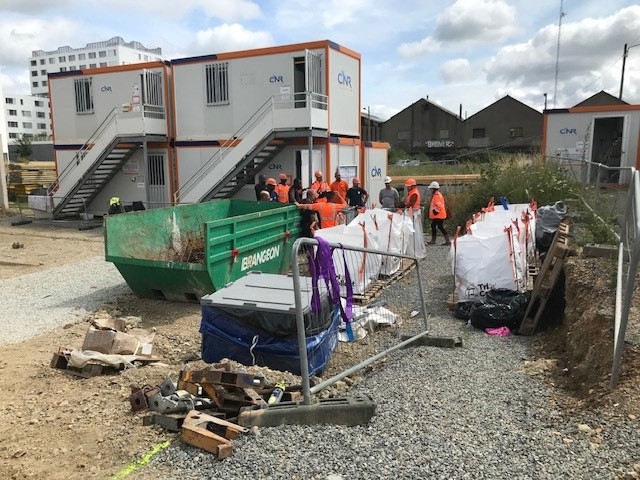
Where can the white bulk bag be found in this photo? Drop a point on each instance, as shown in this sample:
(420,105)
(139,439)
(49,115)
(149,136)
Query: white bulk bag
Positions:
(482,263)
(414,243)
(364,268)
(388,228)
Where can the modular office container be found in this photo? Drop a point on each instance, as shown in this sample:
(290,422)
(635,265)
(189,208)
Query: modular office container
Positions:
(606,134)
(202,128)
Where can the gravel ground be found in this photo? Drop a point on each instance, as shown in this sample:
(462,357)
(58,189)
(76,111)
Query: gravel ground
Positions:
(41,301)
(464,413)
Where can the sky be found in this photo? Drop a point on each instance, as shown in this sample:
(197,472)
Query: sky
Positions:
(463,52)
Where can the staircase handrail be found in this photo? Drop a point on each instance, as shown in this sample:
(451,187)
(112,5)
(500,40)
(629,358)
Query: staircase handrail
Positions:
(314,100)
(82,152)
(225,147)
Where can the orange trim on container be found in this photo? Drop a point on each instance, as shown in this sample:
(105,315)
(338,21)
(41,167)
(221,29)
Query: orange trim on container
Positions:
(349,141)
(53,131)
(327,155)
(174,120)
(257,52)
(305,141)
(604,108)
(122,68)
(384,145)
(638,155)
(349,52)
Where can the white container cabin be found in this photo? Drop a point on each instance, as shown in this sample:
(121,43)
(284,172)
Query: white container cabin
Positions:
(203,128)
(606,134)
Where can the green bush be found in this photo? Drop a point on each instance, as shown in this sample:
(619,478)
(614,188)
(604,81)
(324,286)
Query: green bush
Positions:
(519,178)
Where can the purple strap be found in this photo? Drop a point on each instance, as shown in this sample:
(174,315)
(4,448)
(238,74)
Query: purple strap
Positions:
(321,266)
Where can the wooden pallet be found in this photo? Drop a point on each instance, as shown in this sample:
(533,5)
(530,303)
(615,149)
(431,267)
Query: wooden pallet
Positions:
(546,279)
(377,287)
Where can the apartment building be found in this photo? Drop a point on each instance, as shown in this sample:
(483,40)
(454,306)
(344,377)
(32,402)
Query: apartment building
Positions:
(114,51)
(27,115)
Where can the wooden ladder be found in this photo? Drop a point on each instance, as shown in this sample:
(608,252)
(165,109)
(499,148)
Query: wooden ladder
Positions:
(546,279)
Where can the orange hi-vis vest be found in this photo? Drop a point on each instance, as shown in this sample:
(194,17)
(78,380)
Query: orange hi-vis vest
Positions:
(328,211)
(416,204)
(437,203)
(341,187)
(320,187)
(283,193)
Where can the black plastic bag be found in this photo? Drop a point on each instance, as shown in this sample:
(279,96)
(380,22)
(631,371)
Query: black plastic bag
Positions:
(463,309)
(501,308)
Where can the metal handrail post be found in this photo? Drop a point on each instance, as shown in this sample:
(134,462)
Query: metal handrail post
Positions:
(302,339)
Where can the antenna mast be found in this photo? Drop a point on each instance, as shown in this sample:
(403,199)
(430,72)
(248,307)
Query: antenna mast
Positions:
(555,85)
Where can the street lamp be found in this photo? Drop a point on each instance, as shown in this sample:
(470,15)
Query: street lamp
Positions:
(624,61)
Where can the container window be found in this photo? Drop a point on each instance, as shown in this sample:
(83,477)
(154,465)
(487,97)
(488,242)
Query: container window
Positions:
(217,83)
(84,95)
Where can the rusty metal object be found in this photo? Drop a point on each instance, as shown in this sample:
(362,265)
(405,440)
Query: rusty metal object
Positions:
(198,430)
(222,377)
(137,399)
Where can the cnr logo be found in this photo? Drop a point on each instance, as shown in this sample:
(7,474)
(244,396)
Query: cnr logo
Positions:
(276,79)
(568,131)
(275,166)
(376,172)
(105,88)
(344,79)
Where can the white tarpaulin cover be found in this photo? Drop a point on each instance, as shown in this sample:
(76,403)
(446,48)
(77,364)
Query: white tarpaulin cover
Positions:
(364,268)
(495,253)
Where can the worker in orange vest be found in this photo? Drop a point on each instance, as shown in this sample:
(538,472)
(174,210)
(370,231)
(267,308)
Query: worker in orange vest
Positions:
(319,185)
(412,199)
(328,210)
(282,189)
(437,213)
(271,188)
(339,185)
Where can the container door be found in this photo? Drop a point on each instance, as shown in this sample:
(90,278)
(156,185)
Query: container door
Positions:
(157,190)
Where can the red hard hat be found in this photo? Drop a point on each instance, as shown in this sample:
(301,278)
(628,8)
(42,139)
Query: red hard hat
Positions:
(272,181)
(318,173)
(411,182)
(282,176)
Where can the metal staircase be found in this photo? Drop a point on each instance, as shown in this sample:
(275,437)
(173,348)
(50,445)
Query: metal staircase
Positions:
(96,163)
(246,170)
(263,136)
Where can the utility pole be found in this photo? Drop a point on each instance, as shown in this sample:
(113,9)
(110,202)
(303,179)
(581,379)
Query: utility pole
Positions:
(624,62)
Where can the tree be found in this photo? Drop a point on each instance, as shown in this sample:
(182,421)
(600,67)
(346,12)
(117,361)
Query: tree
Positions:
(24,150)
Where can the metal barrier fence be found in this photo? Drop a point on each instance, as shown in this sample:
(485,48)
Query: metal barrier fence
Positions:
(591,176)
(628,256)
(383,319)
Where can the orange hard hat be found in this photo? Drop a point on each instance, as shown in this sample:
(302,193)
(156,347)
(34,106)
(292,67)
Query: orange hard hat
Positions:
(356,180)
(272,181)
(282,176)
(318,173)
(411,182)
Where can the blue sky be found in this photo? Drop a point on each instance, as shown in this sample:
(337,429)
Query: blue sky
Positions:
(469,52)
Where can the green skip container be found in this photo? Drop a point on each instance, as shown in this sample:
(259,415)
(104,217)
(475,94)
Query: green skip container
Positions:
(184,252)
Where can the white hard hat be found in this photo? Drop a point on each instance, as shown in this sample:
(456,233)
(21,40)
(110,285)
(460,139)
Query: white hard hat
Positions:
(434,185)
(387,179)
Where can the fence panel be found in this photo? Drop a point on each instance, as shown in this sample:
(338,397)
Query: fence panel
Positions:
(387,307)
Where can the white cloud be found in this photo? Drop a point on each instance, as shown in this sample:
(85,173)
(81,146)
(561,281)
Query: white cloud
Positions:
(416,49)
(457,70)
(20,36)
(225,10)
(229,37)
(466,22)
(22,6)
(588,52)
(476,21)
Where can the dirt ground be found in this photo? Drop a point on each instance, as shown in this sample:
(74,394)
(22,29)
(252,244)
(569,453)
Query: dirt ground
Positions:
(57,426)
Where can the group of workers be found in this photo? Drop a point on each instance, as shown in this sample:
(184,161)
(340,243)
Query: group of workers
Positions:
(323,202)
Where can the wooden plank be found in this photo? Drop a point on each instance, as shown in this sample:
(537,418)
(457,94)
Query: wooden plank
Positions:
(546,279)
